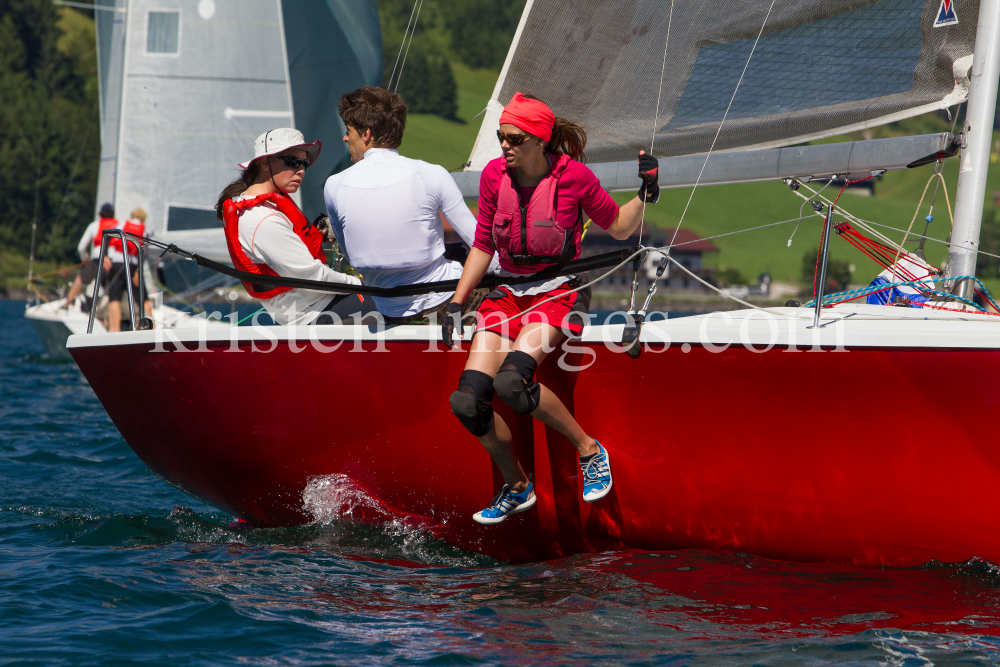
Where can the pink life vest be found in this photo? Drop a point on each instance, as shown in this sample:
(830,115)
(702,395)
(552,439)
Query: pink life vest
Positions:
(300,225)
(527,235)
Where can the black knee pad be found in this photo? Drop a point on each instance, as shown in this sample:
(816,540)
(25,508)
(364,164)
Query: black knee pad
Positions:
(515,383)
(471,403)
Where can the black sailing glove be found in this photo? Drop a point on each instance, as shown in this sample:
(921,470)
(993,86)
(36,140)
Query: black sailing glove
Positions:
(322,223)
(451,320)
(649,168)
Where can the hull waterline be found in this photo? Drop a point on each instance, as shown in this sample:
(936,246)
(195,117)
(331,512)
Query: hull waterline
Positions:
(854,454)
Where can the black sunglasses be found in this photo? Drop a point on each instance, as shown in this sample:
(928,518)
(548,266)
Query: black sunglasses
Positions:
(512,139)
(294,163)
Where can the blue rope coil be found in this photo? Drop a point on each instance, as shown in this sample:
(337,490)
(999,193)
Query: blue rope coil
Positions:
(921,284)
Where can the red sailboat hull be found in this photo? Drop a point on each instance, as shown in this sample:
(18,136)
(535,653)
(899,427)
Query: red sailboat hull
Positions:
(876,455)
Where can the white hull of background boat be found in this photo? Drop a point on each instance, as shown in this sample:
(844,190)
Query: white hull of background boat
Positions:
(54,324)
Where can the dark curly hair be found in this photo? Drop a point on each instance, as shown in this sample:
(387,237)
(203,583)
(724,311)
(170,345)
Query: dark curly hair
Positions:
(378,109)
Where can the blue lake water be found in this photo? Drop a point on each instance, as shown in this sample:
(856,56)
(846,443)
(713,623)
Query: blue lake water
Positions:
(101,562)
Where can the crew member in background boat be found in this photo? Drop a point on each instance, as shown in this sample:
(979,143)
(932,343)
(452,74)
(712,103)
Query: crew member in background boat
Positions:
(138,217)
(532,203)
(268,235)
(115,274)
(124,264)
(386,210)
(90,251)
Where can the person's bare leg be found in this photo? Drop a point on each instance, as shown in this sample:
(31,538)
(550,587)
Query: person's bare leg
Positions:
(114,316)
(488,352)
(536,339)
(74,291)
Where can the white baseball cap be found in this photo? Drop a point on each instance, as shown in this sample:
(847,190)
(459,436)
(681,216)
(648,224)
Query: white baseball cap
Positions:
(280,140)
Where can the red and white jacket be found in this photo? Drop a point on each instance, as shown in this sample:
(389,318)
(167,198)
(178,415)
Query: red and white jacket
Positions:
(269,235)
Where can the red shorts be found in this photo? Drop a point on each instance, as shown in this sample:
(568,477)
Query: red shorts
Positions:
(569,313)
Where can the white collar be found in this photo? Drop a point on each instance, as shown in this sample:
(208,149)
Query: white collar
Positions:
(374,152)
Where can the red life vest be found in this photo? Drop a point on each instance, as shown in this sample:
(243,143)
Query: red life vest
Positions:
(527,235)
(302,227)
(130,226)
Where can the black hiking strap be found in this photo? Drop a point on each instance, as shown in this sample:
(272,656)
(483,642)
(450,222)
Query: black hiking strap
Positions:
(569,268)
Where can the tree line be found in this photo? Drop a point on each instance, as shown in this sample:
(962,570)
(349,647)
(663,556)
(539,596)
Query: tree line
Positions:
(49,125)
(476,33)
(49,134)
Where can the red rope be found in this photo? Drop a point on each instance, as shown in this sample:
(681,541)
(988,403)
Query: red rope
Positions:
(882,254)
(956,310)
(988,300)
(885,256)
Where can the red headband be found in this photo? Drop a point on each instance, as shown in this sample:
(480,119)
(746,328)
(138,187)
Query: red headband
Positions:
(532,116)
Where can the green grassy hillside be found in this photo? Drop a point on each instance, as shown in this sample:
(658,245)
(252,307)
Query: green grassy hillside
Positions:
(448,142)
(726,208)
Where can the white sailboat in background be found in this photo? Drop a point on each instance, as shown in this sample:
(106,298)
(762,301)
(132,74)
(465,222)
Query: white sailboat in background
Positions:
(185,88)
(883,451)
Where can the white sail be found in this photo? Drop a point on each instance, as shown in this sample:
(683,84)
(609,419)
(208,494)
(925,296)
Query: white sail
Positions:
(820,68)
(197,91)
(187,85)
(110,23)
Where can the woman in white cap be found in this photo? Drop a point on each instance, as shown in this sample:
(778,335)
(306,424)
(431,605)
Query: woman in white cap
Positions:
(268,235)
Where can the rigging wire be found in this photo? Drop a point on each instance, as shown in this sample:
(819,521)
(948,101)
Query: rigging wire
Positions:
(936,175)
(402,43)
(867,225)
(628,259)
(652,142)
(413,33)
(930,212)
(659,92)
(789,245)
(923,236)
(738,231)
(723,122)
(848,215)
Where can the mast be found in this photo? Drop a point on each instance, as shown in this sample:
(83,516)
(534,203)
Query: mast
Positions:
(976,154)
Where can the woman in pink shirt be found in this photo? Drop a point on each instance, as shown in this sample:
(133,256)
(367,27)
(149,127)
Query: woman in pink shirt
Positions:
(532,205)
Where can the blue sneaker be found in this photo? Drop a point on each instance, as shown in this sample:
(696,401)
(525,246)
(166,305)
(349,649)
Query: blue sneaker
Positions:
(596,475)
(506,503)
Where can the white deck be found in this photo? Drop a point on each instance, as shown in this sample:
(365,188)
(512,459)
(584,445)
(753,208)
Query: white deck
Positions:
(842,326)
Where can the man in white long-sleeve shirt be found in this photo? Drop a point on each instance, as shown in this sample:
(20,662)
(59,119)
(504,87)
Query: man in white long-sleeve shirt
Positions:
(386,209)
(89,250)
(268,235)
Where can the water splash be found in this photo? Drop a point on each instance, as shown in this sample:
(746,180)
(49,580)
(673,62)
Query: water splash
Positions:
(333,498)
(348,512)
